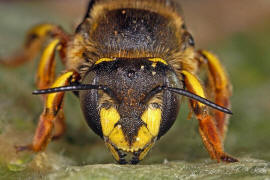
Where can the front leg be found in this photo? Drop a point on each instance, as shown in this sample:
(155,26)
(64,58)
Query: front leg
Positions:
(207,128)
(53,108)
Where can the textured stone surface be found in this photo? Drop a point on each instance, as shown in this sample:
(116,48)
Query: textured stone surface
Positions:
(247,168)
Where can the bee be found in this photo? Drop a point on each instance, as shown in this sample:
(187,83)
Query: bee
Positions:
(129,63)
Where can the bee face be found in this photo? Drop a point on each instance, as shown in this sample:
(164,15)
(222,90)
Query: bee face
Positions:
(128,122)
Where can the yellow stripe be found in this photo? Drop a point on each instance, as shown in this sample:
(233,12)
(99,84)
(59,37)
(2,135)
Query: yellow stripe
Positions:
(217,68)
(46,56)
(158,60)
(104,60)
(60,81)
(195,85)
(42,30)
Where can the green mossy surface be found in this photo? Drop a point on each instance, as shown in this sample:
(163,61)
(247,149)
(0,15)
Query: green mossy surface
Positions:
(180,154)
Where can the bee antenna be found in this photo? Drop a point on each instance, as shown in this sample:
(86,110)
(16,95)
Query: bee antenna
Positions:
(188,94)
(77,87)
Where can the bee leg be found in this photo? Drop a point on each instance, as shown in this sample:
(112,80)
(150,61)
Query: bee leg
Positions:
(207,128)
(218,88)
(59,124)
(33,43)
(46,69)
(52,107)
(45,77)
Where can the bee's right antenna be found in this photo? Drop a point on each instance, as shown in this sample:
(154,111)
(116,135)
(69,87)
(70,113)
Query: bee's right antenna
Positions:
(188,94)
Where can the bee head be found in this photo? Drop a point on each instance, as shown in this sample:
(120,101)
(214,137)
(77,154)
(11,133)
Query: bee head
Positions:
(128,119)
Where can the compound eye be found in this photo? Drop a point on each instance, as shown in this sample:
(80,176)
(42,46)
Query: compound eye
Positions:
(187,40)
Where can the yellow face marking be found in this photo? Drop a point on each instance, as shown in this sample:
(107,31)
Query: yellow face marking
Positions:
(118,139)
(158,60)
(194,85)
(143,138)
(108,119)
(152,118)
(104,60)
(217,68)
(60,81)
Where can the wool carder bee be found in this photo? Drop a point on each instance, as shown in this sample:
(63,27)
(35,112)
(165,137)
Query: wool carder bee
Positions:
(129,62)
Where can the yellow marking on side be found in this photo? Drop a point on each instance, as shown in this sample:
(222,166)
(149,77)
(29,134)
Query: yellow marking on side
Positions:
(143,138)
(108,119)
(104,60)
(216,66)
(145,151)
(118,139)
(113,151)
(60,81)
(42,30)
(194,85)
(45,59)
(152,118)
(158,60)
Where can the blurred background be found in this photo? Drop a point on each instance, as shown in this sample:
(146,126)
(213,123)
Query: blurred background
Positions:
(237,31)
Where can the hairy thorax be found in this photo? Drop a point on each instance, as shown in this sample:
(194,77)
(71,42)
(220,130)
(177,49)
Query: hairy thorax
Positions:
(131,31)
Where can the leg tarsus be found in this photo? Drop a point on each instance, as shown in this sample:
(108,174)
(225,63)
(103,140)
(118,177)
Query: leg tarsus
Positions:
(43,132)
(210,136)
(23,148)
(212,140)
(59,125)
(227,158)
